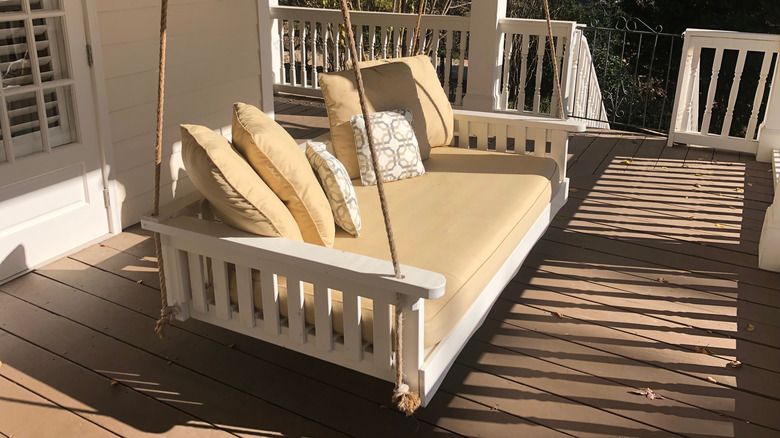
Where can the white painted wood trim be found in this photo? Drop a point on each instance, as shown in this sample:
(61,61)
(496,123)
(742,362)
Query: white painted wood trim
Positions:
(102,118)
(769,245)
(270,61)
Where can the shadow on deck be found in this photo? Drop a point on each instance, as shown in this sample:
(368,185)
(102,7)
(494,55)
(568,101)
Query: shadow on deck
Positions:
(646,279)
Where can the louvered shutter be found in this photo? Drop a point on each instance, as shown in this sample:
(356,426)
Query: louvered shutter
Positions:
(35,78)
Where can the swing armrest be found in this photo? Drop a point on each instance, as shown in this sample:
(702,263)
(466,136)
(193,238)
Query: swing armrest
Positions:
(333,268)
(524,130)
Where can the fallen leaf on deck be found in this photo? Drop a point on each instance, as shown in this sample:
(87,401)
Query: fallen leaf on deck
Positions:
(703,243)
(720,226)
(647,392)
(734,364)
(573,190)
(698,186)
(732,207)
(139,281)
(494,408)
(556,314)
(739,190)
(702,350)
(686,197)
(712,380)
(663,167)
(685,166)
(750,184)
(690,218)
(113,382)
(628,161)
(231,345)
(698,174)
(750,327)
(662,280)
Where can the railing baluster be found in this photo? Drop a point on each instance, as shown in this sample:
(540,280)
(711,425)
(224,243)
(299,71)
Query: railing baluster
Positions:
(383,331)
(504,102)
(447,62)
(221,293)
(304,73)
(541,43)
(688,117)
(292,52)
(763,79)
(372,42)
(325,52)
(724,132)
(384,42)
(197,282)
(353,335)
(246,300)
(282,71)
(295,311)
(705,124)
(558,58)
(323,317)
(461,63)
(314,35)
(523,65)
(269,287)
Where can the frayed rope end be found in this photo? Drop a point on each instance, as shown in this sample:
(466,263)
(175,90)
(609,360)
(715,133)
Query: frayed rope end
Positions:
(166,314)
(407,402)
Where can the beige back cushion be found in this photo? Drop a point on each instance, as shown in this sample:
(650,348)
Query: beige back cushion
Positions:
(390,84)
(276,157)
(237,194)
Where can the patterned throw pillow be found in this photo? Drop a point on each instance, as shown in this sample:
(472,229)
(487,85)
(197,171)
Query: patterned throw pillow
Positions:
(396,146)
(338,187)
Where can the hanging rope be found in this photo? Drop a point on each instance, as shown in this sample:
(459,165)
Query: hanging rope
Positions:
(561,113)
(417,27)
(406,401)
(166,311)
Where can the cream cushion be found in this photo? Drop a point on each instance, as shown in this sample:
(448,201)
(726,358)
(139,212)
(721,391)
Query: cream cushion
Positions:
(390,84)
(462,219)
(276,157)
(237,194)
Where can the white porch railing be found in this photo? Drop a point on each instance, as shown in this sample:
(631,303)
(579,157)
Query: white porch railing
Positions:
(714,127)
(310,40)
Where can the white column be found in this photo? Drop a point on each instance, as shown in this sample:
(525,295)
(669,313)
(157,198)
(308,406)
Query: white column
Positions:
(769,131)
(484,55)
(270,61)
(769,246)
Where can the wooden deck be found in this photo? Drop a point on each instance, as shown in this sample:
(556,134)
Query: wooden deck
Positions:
(646,279)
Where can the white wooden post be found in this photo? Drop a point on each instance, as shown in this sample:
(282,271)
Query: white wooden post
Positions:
(270,61)
(769,246)
(769,131)
(485,44)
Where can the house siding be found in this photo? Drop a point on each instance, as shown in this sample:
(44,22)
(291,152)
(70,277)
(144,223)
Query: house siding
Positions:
(212,61)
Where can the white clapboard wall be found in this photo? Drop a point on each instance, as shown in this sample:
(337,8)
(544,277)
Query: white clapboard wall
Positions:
(212,62)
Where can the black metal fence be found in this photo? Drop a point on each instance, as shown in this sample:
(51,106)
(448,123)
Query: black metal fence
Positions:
(636,66)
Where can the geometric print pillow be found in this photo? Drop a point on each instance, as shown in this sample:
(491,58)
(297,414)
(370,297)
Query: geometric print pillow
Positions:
(396,146)
(337,185)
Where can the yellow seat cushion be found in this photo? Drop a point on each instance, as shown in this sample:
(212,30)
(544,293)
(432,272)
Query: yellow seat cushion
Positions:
(276,157)
(462,219)
(237,194)
(402,83)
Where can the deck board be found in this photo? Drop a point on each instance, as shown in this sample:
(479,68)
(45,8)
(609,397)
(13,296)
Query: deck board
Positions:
(635,215)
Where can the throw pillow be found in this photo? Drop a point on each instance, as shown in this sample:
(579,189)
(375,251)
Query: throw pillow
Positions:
(338,187)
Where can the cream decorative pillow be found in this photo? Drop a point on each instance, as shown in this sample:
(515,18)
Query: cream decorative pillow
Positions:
(276,157)
(235,191)
(338,187)
(396,146)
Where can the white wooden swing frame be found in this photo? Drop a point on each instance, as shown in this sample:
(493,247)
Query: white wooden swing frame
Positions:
(187,240)
(189,243)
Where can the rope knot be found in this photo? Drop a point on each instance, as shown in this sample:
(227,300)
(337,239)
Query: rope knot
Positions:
(406,401)
(166,315)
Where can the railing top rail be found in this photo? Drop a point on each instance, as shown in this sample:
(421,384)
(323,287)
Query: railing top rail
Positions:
(365,17)
(617,29)
(533,26)
(730,35)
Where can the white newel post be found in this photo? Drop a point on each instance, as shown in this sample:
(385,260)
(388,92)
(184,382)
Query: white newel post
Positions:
(769,131)
(485,44)
(270,62)
(769,246)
